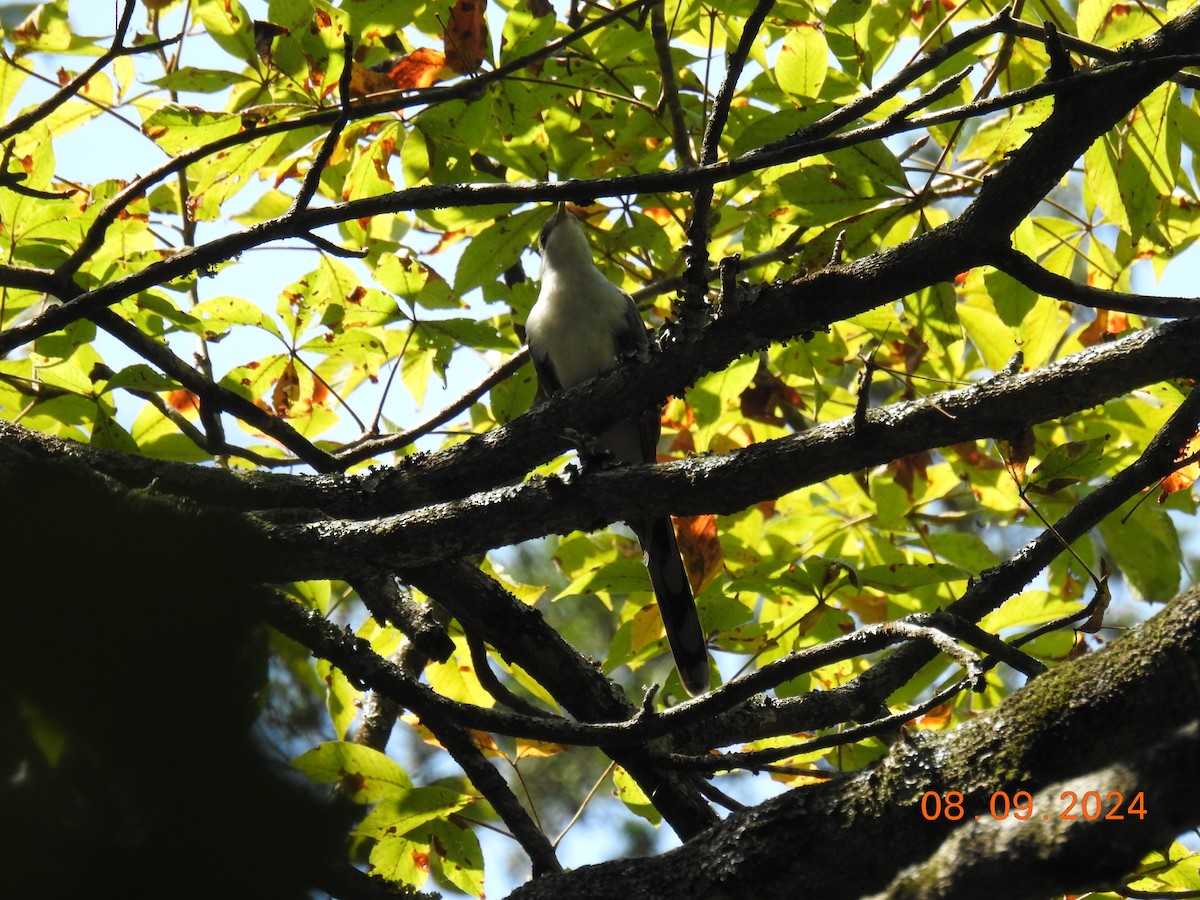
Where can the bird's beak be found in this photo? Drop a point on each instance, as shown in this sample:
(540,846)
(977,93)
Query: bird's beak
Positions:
(561,215)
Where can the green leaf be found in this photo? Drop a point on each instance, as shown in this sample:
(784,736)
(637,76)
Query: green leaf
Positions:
(991,337)
(140,377)
(396,859)
(803,60)
(220,314)
(255,378)
(227,23)
(178,129)
(906,576)
(229,171)
(825,194)
(458,856)
(404,811)
(1069,463)
(717,394)
(938,315)
(11,79)
(363,774)
(342,699)
(631,794)
(1027,610)
(470,333)
(1012,299)
(107,433)
(965,550)
(416,282)
(513,396)
(998,137)
(271,204)
(495,249)
(622,576)
(524,33)
(1144,547)
(308,299)
(1130,175)
(369,176)
(193,80)
(47,30)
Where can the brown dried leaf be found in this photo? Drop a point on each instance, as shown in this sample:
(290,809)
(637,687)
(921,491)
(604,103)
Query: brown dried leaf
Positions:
(466,36)
(264,36)
(287,390)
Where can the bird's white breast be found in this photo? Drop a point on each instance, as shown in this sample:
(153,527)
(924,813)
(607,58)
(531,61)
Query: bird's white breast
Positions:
(575,320)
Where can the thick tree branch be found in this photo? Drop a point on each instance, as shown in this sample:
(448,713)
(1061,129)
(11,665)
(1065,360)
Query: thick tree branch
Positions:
(737,479)
(846,839)
(520,636)
(306,544)
(863,697)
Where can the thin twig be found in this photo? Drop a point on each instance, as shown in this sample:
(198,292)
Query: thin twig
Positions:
(312,178)
(210,392)
(27,119)
(373,446)
(670,87)
(1042,281)
(696,275)
(466,89)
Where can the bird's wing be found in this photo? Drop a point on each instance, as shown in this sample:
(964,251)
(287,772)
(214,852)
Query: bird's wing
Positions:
(631,339)
(543,368)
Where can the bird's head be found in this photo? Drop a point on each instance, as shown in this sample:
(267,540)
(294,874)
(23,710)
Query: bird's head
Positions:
(562,242)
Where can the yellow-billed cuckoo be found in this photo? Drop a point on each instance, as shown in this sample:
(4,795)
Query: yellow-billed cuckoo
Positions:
(583,325)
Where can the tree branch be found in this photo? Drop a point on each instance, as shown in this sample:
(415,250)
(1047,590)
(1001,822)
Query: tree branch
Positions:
(1002,202)
(847,838)
(696,251)
(1042,281)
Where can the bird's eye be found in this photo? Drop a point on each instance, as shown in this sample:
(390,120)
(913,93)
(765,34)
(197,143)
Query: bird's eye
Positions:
(544,234)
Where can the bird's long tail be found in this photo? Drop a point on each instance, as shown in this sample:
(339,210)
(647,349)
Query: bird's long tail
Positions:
(660,552)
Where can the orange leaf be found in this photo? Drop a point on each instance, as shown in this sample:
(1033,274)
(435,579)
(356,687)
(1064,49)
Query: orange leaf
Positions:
(184,401)
(466,36)
(938,717)
(527,749)
(364,80)
(418,69)
(485,742)
(767,394)
(1104,327)
(1017,449)
(701,550)
(1185,476)
(287,390)
(907,468)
